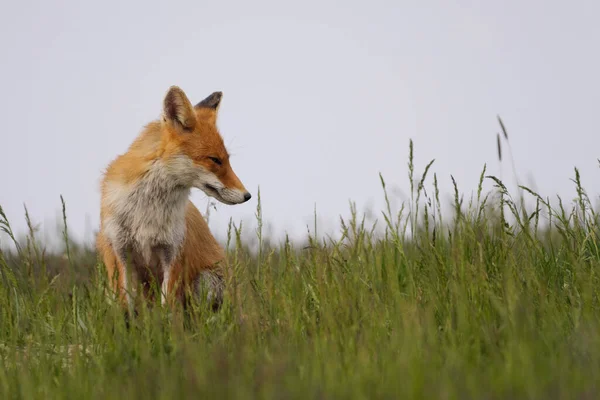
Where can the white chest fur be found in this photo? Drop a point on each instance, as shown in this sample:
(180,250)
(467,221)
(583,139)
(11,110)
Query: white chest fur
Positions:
(147,214)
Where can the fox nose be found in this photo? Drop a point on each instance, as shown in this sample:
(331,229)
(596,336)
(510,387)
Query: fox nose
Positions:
(247,196)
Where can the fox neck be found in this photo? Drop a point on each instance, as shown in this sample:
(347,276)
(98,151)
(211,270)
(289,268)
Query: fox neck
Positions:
(161,187)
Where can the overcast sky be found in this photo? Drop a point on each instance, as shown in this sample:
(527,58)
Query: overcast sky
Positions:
(319,97)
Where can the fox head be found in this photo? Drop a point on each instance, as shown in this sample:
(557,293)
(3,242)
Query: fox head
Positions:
(194,151)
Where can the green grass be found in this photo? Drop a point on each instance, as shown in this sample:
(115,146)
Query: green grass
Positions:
(492,301)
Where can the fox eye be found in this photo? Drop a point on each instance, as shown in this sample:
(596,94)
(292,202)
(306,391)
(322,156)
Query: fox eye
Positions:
(215,160)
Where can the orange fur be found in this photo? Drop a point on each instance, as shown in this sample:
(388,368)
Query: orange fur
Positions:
(146,217)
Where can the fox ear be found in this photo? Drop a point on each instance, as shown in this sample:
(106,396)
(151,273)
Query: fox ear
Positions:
(213,101)
(178,109)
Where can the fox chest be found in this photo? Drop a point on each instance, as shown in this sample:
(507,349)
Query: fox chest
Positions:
(144,221)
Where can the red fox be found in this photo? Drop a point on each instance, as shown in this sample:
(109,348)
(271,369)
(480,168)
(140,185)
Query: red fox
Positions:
(149,229)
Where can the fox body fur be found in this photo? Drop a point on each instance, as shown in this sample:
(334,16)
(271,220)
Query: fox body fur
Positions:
(150,232)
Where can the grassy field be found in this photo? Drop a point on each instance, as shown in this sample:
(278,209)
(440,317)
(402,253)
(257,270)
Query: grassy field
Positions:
(492,301)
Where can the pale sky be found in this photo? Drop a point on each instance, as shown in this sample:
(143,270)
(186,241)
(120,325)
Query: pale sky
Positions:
(319,97)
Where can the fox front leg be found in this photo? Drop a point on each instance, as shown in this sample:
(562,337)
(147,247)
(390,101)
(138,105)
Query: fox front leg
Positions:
(166,257)
(119,274)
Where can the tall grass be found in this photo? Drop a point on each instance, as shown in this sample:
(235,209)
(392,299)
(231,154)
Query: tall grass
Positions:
(496,301)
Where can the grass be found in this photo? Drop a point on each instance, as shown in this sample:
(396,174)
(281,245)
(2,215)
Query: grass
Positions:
(492,301)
